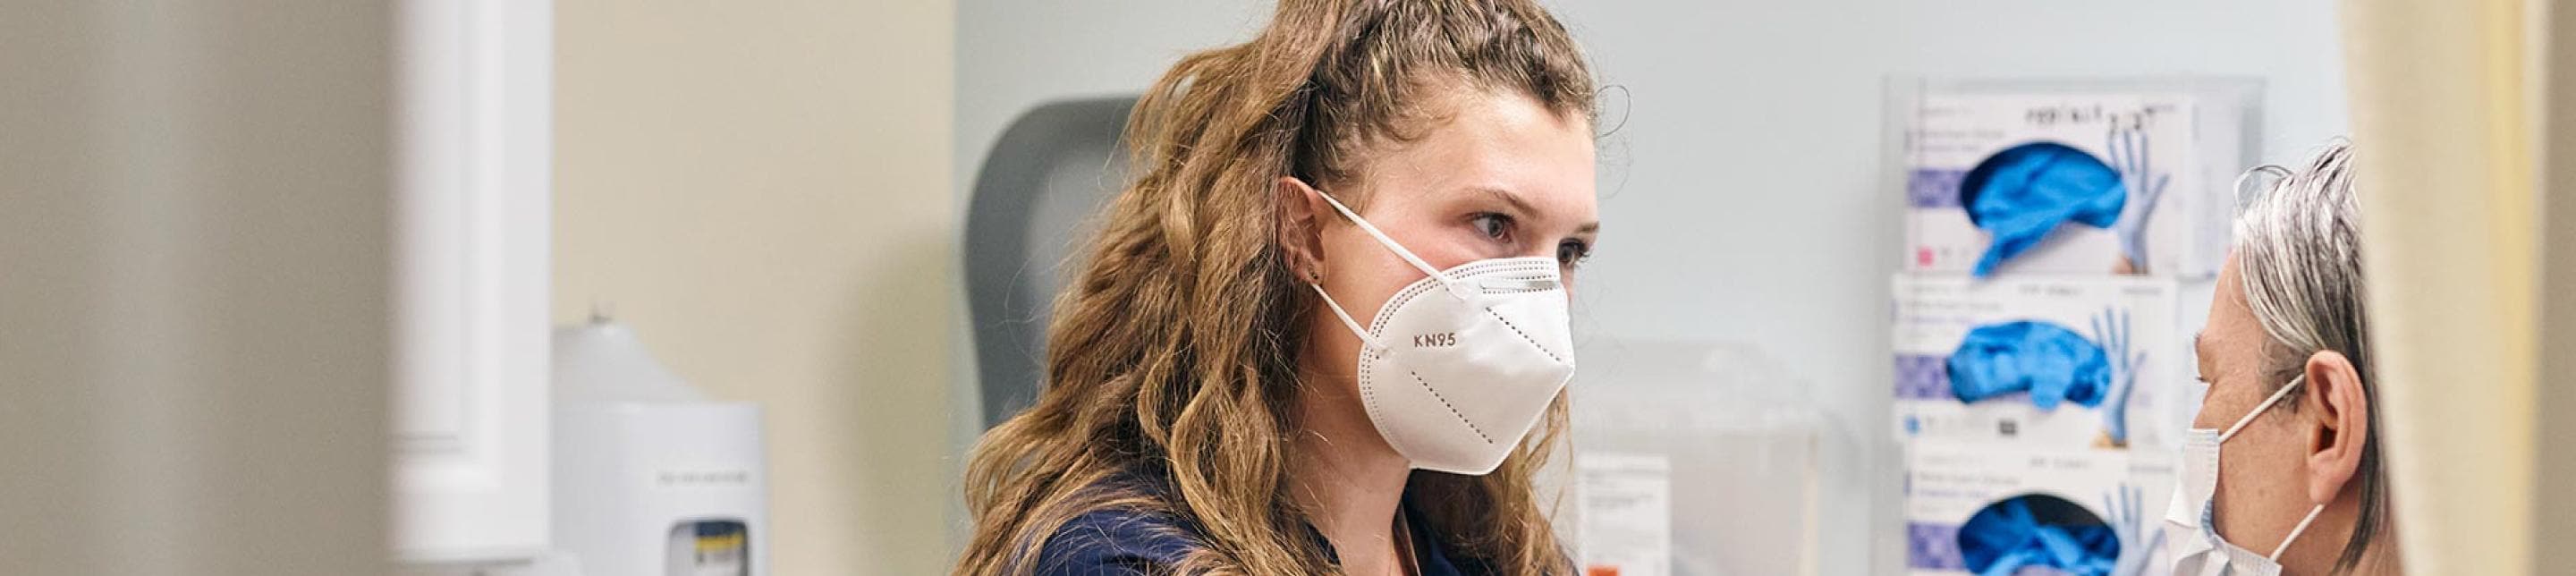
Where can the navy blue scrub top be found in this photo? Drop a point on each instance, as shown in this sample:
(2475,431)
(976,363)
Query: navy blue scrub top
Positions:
(1137,543)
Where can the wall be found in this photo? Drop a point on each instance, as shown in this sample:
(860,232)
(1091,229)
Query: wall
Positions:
(1750,126)
(759,189)
(193,286)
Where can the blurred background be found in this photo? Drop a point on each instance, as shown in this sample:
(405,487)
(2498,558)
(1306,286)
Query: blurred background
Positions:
(240,243)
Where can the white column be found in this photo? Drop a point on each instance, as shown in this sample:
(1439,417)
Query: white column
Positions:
(193,286)
(2441,114)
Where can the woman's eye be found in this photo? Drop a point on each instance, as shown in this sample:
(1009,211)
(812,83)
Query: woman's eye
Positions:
(1495,226)
(1572,252)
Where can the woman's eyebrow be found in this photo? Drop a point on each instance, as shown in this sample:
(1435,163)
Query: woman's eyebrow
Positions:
(1522,207)
(1518,205)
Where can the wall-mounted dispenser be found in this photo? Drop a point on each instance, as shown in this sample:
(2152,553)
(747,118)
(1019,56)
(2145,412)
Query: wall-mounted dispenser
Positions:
(650,477)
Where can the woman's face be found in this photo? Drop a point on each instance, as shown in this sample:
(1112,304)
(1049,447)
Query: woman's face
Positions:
(1500,176)
(2263,469)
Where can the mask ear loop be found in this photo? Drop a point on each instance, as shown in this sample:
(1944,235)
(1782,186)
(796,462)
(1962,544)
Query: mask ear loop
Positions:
(2259,409)
(1371,342)
(1454,288)
(2294,533)
(2284,392)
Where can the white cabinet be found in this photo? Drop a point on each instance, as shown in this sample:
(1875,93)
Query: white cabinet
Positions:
(473,98)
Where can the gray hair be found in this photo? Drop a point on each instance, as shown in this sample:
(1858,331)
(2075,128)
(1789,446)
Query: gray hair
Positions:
(2298,250)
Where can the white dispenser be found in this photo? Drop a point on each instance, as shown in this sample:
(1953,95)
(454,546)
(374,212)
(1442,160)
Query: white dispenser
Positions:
(650,477)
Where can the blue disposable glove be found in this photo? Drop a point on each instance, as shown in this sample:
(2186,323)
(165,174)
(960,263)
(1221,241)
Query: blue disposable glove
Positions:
(2020,195)
(2050,362)
(2007,539)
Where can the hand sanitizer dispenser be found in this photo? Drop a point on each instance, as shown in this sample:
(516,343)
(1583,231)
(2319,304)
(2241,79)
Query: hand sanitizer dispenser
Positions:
(650,477)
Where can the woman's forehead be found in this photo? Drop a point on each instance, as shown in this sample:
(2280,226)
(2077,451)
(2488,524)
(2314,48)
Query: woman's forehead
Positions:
(1503,149)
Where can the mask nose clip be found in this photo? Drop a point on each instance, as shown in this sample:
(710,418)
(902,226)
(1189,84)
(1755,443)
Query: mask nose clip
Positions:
(1455,288)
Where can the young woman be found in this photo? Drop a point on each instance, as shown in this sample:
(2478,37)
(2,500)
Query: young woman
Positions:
(1317,333)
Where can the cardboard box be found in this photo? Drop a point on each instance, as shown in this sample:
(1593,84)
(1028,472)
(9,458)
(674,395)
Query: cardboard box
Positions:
(2194,136)
(1934,314)
(1948,483)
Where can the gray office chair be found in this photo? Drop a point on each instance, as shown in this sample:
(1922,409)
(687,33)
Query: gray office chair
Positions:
(1034,207)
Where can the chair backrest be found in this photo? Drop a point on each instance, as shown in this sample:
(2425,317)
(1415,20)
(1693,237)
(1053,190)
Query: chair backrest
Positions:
(1033,211)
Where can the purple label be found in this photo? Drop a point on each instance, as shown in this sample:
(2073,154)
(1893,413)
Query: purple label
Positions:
(1927,188)
(1933,547)
(1923,377)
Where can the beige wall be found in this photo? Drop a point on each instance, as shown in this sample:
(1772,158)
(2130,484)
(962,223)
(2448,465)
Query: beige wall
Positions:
(761,189)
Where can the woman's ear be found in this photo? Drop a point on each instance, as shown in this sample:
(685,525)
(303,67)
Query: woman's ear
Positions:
(2339,410)
(1301,234)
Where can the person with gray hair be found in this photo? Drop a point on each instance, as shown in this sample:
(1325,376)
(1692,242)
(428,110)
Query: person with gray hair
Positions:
(2287,362)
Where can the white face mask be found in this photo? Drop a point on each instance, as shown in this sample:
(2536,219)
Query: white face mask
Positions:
(2190,523)
(1459,365)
